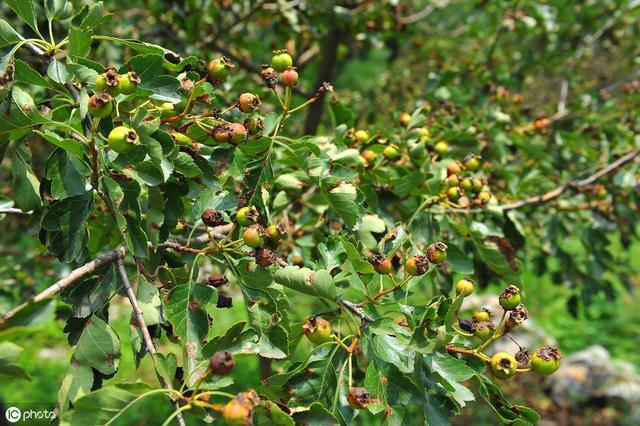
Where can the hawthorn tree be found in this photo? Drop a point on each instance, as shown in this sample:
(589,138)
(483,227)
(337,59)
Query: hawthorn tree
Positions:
(352,251)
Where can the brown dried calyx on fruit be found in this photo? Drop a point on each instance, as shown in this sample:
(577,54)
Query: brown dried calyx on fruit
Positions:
(269,76)
(216,281)
(213,217)
(222,363)
(265,257)
(359,398)
(224,301)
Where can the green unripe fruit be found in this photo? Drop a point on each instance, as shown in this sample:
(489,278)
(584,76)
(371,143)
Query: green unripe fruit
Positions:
(254,236)
(441,148)
(362,136)
(503,365)
(424,134)
(181,139)
(391,152)
(281,60)
(484,330)
(166,109)
(275,232)
(254,125)
(466,185)
(122,139)
(464,287)
(317,330)
(100,105)
(476,185)
(247,216)
(453,194)
(109,82)
(510,297)
(129,82)
(451,181)
(481,316)
(545,361)
(472,162)
(219,70)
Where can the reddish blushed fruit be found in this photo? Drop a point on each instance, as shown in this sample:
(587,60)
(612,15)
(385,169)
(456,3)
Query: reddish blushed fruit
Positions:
(235,413)
(454,168)
(317,330)
(359,398)
(222,363)
(381,264)
(238,133)
(248,102)
(405,118)
(437,252)
(369,155)
(219,70)
(254,236)
(289,77)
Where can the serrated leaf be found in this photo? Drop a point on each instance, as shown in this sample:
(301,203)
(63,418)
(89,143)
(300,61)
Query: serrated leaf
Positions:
(305,280)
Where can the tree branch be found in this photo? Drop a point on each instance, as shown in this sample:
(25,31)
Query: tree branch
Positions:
(355,309)
(15,211)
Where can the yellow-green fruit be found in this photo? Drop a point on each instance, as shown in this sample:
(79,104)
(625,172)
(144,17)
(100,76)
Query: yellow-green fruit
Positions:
(109,82)
(464,287)
(166,109)
(391,152)
(317,330)
(281,61)
(181,139)
(362,136)
(510,297)
(129,82)
(122,139)
(481,316)
(424,134)
(545,361)
(441,148)
(100,105)
(503,365)
(235,413)
(253,237)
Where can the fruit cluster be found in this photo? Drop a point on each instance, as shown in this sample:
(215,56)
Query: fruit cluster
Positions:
(545,360)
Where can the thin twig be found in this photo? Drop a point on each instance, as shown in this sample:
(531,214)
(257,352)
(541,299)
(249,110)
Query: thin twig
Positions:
(15,211)
(355,309)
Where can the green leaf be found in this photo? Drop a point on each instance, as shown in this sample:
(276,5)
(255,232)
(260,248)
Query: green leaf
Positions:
(7,34)
(163,87)
(316,415)
(26,187)
(269,413)
(342,199)
(69,176)
(66,223)
(305,280)
(72,146)
(79,41)
(76,383)
(98,346)
(57,71)
(26,74)
(186,310)
(107,405)
(9,353)
(26,10)
(393,351)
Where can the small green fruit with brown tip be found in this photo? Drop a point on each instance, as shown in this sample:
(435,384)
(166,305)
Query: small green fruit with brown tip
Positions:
(317,330)
(437,252)
(510,297)
(247,216)
(416,265)
(472,162)
(275,232)
(109,82)
(545,360)
(464,287)
(129,83)
(281,60)
(122,139)
(503,365)
(100,105)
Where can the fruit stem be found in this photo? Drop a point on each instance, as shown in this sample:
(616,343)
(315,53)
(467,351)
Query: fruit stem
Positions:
(275,91)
